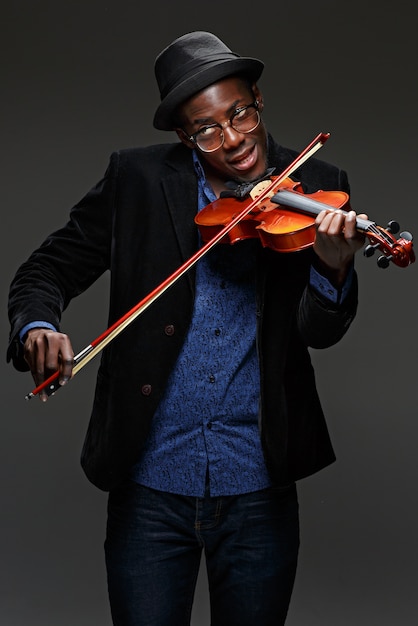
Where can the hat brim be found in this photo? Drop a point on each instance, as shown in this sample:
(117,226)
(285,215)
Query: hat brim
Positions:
(251,68)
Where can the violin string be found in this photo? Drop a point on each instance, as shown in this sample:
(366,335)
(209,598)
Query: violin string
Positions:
(380,233)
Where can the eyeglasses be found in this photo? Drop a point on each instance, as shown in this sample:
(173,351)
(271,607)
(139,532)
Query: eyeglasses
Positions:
(243,120)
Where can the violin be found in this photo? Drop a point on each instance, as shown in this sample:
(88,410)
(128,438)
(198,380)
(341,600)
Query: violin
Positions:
(269,213)
(282,217)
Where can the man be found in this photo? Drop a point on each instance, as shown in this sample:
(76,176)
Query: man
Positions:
(205,412)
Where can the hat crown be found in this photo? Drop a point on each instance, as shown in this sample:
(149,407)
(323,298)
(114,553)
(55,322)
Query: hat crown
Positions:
(191,63)
(186,55)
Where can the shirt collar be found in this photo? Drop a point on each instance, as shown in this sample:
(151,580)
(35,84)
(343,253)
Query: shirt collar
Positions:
(205,190)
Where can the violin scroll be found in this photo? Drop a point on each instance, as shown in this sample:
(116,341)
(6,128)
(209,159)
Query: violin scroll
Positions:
(399,251)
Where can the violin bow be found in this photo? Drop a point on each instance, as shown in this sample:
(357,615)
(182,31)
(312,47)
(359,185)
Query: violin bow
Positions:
(51,384)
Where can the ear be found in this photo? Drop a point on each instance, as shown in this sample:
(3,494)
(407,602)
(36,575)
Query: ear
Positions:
(184,138)
(259,97)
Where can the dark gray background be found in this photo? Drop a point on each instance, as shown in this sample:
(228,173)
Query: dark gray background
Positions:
(77,83)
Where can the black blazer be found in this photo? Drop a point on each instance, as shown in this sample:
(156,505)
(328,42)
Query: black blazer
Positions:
(138,223)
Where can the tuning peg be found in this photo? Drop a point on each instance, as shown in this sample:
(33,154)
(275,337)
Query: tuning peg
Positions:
(370,249)
(383,261)
(393,227)
(406,235)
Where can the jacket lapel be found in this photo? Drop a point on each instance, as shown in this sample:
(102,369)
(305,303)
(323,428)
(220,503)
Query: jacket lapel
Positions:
(180,190)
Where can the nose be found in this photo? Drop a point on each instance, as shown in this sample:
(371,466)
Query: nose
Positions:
(232,137)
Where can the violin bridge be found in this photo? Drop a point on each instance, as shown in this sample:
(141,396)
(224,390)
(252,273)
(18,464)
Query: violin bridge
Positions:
(259,188)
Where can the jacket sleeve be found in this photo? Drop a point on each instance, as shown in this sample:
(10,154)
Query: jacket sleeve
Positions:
(322,323)
(65,264)
(290,306)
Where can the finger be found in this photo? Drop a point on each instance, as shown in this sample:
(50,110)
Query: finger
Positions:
(350,225)
(34,352)
(66,368)
(330,223)
(59,356)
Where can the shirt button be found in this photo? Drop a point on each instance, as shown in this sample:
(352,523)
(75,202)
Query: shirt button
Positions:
(169,330)
(211,378)
(217,332)
(146,390)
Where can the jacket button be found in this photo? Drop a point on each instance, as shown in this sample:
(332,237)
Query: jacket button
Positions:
(169,330)
(146,390)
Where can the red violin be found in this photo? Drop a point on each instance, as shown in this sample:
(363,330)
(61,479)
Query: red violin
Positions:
(279,214)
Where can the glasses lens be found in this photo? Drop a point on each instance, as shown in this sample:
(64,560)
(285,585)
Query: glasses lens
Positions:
(209,138)
(246,120)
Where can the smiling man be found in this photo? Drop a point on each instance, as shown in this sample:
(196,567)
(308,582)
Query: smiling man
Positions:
(206,412)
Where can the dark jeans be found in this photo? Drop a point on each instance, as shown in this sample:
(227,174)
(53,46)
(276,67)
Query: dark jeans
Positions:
(153,550)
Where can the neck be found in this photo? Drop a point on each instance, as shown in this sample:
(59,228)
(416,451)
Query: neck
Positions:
(218,185)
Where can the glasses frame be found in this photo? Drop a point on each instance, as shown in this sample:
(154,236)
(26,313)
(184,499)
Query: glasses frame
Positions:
(253,105)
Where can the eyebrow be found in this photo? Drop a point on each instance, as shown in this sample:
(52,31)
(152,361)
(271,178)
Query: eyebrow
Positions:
(207,120)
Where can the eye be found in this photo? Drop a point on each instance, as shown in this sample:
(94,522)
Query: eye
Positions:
(241,114)
(207,131)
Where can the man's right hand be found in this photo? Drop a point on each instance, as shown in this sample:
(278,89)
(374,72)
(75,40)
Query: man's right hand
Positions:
(47,351)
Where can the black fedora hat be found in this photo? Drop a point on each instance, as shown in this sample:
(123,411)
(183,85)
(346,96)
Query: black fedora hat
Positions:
(191,63)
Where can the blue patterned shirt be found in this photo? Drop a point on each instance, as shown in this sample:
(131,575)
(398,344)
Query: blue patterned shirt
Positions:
(207,422)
